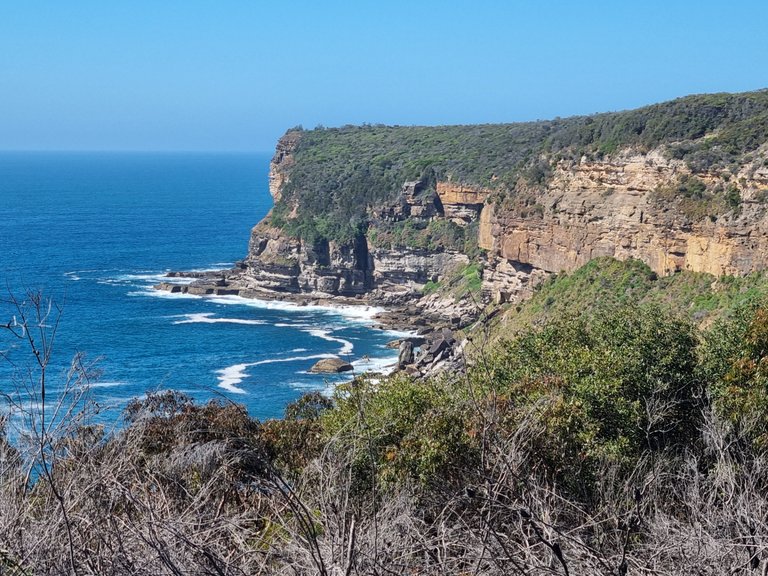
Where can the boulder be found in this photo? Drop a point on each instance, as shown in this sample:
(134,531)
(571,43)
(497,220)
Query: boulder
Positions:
(412,371)
(331,366)
(438,346)
(447,335)
(406,353)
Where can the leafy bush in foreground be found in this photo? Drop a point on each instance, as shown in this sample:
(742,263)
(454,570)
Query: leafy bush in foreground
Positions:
(736,364)
(612,386)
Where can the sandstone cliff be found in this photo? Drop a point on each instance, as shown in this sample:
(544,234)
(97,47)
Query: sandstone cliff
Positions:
(283,262)
(614,207)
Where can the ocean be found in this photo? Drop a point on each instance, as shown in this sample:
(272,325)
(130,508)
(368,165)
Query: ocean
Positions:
(95,231)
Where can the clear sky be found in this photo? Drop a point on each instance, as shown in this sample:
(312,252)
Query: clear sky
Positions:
(234,75)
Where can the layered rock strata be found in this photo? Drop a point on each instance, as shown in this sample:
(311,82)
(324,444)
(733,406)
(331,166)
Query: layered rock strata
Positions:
(614,208)
(277,262)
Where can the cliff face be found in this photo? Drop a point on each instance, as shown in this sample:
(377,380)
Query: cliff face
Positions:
(614,208)
(680,186)
(461,203)
(280,262)
(281,163)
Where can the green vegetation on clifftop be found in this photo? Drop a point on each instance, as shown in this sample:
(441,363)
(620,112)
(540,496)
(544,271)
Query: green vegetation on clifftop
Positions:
(339,173)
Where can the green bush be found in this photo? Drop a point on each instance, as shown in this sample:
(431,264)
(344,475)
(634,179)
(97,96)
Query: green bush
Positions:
(614,386)
(435,235)
(431,287)
(735,363)
(611,388)
(403,430)
(291,443)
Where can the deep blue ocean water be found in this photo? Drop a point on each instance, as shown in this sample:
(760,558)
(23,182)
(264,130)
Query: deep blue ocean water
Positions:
(95,231)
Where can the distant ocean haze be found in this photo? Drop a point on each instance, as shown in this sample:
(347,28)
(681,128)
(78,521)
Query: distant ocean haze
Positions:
(96,231)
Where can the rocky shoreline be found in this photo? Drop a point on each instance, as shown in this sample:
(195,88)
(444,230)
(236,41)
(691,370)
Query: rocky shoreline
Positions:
(434,343)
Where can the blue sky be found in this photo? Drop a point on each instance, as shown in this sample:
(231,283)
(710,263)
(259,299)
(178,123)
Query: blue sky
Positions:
(233,75)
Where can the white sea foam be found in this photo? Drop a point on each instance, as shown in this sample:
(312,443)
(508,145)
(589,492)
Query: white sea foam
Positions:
(152,278)
(163,294)
(360,313)
(220,267)
(399,333)
(292,359)
(326,389)
(376,365)
(231,376)
(104,384)
(77,274)
(207,318)
(325,334)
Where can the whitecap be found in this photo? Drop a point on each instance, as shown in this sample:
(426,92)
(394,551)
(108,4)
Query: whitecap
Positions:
(207,318)
(163,294)
(231,376)
(221,267)
(358,313)
(153,278)
(104,384)
(346,345)
(384,365)
(292,359)
(400,333)
(327,389)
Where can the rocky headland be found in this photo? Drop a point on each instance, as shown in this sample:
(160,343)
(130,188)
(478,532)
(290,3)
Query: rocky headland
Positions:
(438,225)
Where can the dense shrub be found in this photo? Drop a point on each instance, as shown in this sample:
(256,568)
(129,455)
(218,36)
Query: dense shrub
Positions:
(435,235)
(611,386)
(404,429)
(291,443)
(735,361)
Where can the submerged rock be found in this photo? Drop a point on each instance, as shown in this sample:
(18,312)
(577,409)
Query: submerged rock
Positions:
(331,366)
